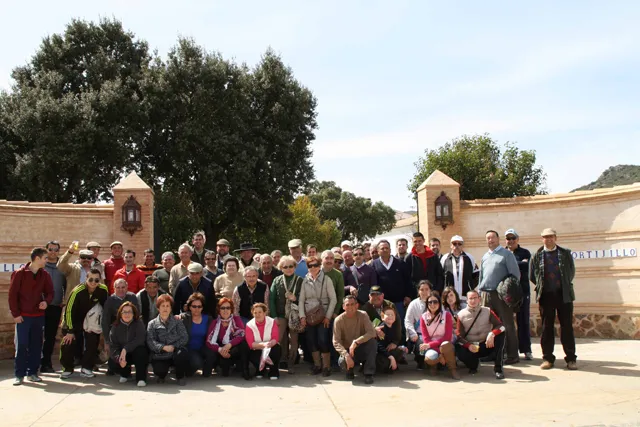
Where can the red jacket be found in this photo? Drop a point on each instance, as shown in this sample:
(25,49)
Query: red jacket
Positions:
(27,291)
(135,279)
(110,267)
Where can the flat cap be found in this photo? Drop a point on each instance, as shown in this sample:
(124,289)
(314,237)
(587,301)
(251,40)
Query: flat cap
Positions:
(115,243)
(548,232)
(223,242)
(336,255)
(194,267)
(93,245)
(294,243)
(346,243)
(85,252)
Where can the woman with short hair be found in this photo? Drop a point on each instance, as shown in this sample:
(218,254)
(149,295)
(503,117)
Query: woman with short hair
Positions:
(262,338)
(127,342)
(283,298)
(226,339)
(317,303)
(225,284)
(436,325)
(197,325)
(167,339)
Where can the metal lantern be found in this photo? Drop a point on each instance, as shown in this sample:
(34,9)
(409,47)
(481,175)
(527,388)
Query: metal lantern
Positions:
(444,211)
(131,215)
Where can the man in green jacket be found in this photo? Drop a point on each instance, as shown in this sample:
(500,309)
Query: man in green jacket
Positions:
(552,271)
(328,267)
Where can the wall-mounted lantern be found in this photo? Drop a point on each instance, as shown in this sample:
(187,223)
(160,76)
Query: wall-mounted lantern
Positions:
(444,211)
(131,216)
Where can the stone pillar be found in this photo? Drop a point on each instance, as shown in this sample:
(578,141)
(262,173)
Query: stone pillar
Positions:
(428,192)
(132,185)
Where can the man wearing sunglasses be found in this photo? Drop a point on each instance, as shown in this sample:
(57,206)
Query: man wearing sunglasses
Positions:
(75,272)
(458,268)
(82,299)
(522,316)
(360,277)
(54,310)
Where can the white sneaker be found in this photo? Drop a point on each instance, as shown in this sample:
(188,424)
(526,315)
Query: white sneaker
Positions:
(87,373)
(142,383)
(528,356)
(123,380)
(65,375)
(34,378)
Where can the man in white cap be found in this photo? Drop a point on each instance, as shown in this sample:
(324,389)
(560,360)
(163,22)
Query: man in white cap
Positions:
(458,268)
(295,249)
(552,272)
(522,316)
(95,248)
(346,245)
(75,272)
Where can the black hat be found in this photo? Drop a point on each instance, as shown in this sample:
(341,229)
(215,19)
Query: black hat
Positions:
(375,290)
(246,246)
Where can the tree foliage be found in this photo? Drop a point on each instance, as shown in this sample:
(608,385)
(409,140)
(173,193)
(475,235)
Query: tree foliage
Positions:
(482,169)
(356,217)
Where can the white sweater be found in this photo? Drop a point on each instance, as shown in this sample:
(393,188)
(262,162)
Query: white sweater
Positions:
(414,311)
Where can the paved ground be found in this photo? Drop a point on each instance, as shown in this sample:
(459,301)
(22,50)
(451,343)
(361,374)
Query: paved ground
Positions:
(605,391)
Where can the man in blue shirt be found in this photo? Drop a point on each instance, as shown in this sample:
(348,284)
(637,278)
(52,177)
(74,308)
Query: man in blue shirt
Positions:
(295,249)
(498,263)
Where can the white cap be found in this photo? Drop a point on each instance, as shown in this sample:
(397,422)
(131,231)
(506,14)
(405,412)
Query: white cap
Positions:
(457,238)
(346,243)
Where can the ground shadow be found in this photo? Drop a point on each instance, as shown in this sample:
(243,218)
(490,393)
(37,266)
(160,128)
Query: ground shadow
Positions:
(607,367)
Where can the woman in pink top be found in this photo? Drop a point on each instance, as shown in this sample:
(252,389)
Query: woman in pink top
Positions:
(437,326)
(226,338)
(261,334)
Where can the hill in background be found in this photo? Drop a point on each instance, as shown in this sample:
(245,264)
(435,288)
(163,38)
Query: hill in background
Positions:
(615,175)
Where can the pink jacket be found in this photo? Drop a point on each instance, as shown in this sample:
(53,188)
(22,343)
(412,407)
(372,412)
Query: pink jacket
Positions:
(440,330)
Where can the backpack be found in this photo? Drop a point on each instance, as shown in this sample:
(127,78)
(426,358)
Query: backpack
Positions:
(93,320)
(510,291)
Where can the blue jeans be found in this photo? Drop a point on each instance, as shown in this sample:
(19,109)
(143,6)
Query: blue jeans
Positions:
(318,338)
(28,345)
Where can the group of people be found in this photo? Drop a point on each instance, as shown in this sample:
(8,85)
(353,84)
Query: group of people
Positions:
(354,308)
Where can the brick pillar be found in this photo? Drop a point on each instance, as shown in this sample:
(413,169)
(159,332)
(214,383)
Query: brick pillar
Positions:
(132,185)
(428,192)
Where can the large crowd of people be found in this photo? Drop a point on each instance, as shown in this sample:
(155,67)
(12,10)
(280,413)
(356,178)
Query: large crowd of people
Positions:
(354,308)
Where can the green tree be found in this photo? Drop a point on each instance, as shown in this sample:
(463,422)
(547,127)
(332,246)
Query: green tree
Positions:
(305,224)
(70,122)
(482,169)
(356,217)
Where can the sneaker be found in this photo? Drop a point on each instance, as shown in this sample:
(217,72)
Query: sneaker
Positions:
(182,382)
(142,383)
(273,378)
(18,380)
(528,356)
(34,378)
(87,373)
(350,375)
(368,379)
(46,370)
(499,375)
(546,365)
(260,374)
(65,375)
(123,380)
(572,366)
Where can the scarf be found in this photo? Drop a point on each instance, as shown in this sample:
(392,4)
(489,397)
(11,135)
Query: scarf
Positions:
(432,322)
(232,331)
(457,273)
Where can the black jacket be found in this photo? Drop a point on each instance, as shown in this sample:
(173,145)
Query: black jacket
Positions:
(467,273)
(80,302)
(125,336)
(523,257)
(395,282)
(274,273)
(185,289)
(433,272)
(143,298)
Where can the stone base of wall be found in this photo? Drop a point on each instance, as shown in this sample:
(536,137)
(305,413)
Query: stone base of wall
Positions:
(618,326)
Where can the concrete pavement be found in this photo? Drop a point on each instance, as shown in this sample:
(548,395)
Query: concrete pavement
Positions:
(604,391)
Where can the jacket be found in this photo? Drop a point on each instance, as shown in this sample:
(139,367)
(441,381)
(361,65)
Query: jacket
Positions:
(80,302)
(426,266)
(277,299)
(160,334)
(523,257)
(72,272)
(111,265)
(449,273)
(364,278)
(111,307)
(143,303)
(373,316)
(27,291)
(338,285)
(125,336)
(274,273)
(319,291)
(394,282)
(135,279)
(184,291)
(567,273)
(244,298)
(59,281)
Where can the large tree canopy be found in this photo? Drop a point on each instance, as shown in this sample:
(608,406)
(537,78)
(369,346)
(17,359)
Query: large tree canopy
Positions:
(356,217)
(482,169)
(69,124)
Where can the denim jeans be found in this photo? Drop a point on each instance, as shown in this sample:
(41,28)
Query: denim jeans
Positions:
(28,345)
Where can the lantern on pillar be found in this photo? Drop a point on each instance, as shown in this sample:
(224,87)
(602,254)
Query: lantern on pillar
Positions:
(131,215)
(444,211)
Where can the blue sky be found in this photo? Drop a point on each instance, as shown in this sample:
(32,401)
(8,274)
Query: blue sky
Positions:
(395,78)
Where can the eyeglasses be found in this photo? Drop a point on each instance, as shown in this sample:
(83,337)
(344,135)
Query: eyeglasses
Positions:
(456,244)
(209,259)
(433,302)
(196,306)
(338,261)
(86,257)
(127,312)
(288,266)
(358,254)
(226,307)
(511,238)
(53,250)
(93,280)
(313,265)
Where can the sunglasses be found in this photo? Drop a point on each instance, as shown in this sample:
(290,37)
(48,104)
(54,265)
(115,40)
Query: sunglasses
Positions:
(434,302)
(288,266)
(93,280)
(456,244)
(358,254)
(86,257)
(511,238)
(226,307)
(314,265)
(53,250)
(209,259)
(196,306)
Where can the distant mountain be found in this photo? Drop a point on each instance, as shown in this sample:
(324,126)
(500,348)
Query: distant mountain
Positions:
(615,175)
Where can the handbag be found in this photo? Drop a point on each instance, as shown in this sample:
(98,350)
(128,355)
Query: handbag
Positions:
(293,315)
(316,315)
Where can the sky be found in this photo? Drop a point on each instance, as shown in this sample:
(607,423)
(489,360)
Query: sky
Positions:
(393,79)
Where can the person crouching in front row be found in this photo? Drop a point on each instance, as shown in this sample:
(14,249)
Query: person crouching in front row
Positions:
(262,338)
(128,344)
(436,325)
(389,354)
